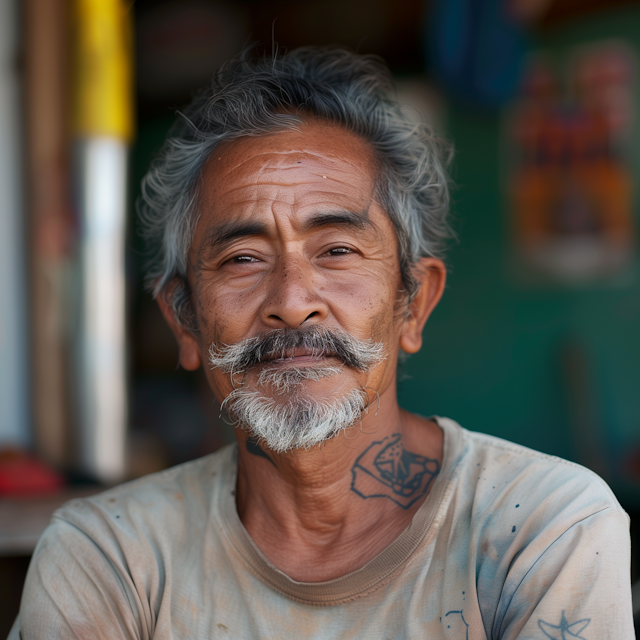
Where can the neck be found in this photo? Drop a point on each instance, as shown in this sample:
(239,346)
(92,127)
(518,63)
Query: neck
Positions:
(320,513)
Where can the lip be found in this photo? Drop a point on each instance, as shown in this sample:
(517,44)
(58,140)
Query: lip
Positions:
(298,356)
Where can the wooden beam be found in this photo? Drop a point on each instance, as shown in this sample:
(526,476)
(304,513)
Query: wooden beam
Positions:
(50,227)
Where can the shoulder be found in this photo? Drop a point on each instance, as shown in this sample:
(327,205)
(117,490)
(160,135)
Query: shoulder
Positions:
(109,556)
(182,496)
(501,480)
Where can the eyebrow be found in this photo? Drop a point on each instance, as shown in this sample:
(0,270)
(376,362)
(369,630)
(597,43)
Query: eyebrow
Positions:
(225,233)
(344,218)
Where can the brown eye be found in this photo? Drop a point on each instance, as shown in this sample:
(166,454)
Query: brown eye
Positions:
(244,259)
(339,251)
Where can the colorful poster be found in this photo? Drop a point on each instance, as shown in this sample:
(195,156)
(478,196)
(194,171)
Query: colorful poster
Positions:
(569,178)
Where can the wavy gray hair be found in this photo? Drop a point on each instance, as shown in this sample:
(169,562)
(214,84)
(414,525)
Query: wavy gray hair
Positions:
(253,97)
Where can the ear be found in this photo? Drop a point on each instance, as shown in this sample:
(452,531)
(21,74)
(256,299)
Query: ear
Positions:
(188,346)
(431,275)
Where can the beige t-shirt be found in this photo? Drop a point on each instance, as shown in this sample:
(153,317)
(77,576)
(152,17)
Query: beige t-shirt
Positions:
(510,543)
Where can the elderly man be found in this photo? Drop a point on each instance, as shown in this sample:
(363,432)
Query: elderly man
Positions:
(299,219)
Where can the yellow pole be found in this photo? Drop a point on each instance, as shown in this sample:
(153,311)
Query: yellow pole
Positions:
(103,69)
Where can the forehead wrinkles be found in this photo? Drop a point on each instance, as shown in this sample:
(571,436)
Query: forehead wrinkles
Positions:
(322,167)
(272,159)
(292,169)
(317,142)
(250,198)
(297,186)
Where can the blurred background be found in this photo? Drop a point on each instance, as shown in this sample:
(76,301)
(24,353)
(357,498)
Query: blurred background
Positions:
(537,338)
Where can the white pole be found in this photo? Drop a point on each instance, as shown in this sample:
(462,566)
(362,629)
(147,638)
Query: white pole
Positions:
(102,163)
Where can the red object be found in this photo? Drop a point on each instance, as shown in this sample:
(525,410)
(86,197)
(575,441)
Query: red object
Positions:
(22,474)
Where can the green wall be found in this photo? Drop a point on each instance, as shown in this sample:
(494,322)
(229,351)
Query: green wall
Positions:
(494,356)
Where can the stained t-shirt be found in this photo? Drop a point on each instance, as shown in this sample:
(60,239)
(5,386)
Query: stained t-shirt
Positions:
(509,543)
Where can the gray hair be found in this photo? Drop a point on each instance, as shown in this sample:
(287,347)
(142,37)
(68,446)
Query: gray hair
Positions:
(253,97)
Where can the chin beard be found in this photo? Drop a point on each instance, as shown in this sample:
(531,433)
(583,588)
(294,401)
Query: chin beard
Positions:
(298,422)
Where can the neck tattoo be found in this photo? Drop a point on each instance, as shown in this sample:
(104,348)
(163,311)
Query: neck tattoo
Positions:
(387,470)
(384,470)
(254,448)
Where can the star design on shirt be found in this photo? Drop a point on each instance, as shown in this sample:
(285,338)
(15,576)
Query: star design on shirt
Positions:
(564,631)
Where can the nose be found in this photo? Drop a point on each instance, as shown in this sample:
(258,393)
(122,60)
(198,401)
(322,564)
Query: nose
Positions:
(292,299)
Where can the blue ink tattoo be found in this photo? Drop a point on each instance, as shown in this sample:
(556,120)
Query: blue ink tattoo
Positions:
(387,470)
(466,626)
(255,449)
(564,630)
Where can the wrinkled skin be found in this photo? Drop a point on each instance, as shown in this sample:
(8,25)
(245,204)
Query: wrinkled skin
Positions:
(289,234)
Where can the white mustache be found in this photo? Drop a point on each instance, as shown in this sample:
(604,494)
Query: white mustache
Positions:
(361,355)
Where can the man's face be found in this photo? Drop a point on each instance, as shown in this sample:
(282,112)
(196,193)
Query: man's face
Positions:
(289,236)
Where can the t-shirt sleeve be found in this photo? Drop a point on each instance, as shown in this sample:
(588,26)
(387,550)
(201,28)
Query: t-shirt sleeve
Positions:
(579,588)
(74,590)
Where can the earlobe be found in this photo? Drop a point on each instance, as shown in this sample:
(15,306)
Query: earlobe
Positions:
(410,340)
(430,274)
(190,355)
(189,349)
